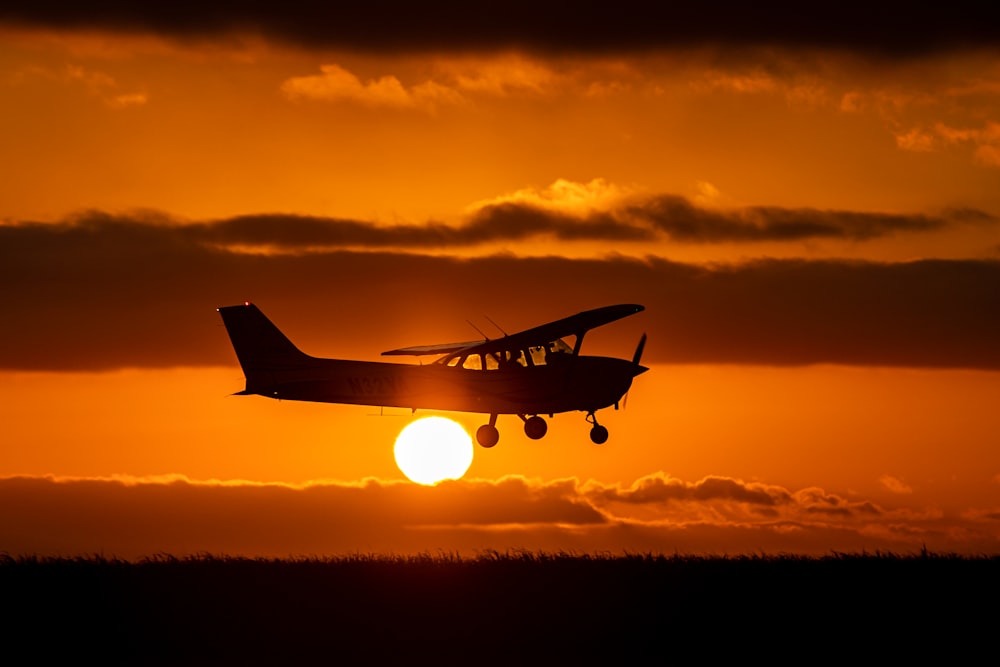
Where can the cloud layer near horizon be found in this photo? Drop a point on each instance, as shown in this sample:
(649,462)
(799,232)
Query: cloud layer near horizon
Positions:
(131,518)
(103,292)
(632,218)
(586,28)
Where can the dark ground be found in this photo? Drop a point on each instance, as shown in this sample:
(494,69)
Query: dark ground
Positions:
(523,608)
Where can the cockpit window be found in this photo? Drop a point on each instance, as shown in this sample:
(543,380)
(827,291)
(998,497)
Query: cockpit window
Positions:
(512,359)
(556,351)
(536,355)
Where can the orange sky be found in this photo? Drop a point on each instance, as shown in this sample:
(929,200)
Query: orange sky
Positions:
(808,213)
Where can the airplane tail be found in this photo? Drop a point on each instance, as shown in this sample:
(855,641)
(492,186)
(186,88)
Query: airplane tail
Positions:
(263,351)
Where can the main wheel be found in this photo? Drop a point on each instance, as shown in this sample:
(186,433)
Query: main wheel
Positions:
(487,435)
(535,427)
(598,434)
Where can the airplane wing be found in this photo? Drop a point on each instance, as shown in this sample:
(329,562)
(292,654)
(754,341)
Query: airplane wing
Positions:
(443,348)
(574,325)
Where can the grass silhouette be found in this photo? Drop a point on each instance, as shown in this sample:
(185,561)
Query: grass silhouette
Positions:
(496,608)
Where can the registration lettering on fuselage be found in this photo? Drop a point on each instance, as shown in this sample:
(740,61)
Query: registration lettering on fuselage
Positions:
(376,385)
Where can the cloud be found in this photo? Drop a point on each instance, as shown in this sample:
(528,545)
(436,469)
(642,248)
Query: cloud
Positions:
(131,518)
(127,100)
(334,84)
(565,210)
(116,515)
(662,489)
(916,140)
(564,196)
(604,211)
(894,484)
(799,90)
(94,80)
(454,82)
(683,221)
(660,498)
(589,28)
(985,140)
(102,292)
(98,84)
(756,81)
(500,75)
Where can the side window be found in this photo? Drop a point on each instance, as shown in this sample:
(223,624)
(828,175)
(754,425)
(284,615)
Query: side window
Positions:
(557,351)
(512,359)
(537,354)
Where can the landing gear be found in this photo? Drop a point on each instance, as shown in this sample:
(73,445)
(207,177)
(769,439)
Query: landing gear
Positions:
(487,435)
(598,433)
(535,427)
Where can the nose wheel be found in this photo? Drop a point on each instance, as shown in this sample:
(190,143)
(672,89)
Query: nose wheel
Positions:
(598,433)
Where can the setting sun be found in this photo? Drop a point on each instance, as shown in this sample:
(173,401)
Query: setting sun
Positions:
(433,449)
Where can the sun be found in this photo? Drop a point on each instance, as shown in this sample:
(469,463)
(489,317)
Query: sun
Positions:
(432,449)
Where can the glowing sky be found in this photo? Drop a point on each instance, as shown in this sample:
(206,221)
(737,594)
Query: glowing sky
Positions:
(808,209)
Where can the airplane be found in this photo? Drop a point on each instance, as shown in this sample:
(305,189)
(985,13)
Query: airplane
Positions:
(529,374)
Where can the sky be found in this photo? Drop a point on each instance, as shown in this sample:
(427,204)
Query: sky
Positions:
(808,207)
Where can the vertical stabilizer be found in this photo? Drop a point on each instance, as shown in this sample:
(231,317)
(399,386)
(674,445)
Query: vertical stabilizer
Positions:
(260,346)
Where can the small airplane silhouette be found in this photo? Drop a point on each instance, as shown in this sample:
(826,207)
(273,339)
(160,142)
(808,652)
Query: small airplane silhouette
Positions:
(528,374)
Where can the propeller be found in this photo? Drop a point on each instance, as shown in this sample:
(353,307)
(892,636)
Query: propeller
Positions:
(639,369)
(638,350)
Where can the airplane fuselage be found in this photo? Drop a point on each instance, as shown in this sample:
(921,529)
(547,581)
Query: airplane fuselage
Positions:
(580,383)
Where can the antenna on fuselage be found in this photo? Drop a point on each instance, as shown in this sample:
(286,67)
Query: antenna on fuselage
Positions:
(478,330)
(499,328)
(495,356)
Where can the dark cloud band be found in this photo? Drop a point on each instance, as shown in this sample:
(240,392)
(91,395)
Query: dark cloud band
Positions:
(907,30)
(109,293)
(664,217)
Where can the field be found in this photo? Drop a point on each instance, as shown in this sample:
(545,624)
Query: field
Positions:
(498,608)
